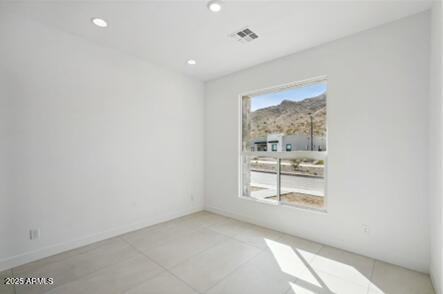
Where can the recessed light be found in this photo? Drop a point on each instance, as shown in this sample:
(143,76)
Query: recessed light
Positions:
(192,62)
(100,22)
(214,6)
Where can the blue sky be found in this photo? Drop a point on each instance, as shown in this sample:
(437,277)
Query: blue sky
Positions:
(293,94)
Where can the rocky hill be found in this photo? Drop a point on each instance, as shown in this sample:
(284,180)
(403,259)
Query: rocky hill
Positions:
(290,117)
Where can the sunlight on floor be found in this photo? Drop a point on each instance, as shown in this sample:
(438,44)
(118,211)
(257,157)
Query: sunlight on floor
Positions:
(290,262)
(311,273)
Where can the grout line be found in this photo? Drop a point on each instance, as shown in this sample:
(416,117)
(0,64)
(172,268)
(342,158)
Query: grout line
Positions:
(371,275)
(317,253)
(234,236)
(227,238)
(311,261)
(13,285)
(93,243)
(86,275)
(236,218)
(261,250)
(235,269)
(372,270)
(208,227)
(289,286)
(199,252)
(65,252)
(340,277)
(164,268)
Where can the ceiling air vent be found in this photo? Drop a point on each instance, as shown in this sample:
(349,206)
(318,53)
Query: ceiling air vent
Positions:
(244,35)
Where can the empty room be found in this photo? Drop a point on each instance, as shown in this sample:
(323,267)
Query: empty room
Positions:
(221,147)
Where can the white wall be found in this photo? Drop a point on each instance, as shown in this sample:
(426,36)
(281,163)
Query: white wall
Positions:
(92,142)
(378,101)
(435,147)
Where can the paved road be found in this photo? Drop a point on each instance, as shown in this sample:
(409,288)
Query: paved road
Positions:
(314,186)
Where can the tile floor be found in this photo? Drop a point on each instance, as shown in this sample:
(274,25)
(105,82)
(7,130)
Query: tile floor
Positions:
(209,253)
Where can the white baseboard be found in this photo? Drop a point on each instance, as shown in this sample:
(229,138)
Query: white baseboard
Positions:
(435,283)
(246,219)
(40,253)
(232,215)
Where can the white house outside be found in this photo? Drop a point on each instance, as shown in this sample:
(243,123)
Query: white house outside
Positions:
(281,142)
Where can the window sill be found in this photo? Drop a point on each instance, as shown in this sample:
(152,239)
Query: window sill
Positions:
(322,211)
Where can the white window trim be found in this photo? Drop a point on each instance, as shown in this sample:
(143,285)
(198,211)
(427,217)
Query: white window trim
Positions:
(282,155)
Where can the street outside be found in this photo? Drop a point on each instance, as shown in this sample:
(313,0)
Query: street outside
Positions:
(263,185)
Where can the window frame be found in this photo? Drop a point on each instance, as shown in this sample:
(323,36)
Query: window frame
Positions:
(279,155)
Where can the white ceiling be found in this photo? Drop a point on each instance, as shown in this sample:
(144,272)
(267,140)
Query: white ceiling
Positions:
(171,32)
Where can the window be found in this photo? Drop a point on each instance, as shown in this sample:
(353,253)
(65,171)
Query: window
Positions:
(290,121)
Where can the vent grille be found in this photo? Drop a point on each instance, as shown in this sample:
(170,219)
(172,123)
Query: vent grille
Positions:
(245,35)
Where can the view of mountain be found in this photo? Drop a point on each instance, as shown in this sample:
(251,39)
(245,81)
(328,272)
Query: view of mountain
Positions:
(290,117)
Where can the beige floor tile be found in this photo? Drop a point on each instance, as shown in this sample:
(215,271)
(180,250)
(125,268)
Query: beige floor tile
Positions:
(77,266)
(32,266)
(206,269)
(231,228)
(114,279)
(6,289)
(258,236)
(300,244)
(317,282)
(343,264)
(103,256)
(204,219)
(4,274)
(33,289)
(390,279)
(178,250)
(164,283)
(157,235)
(280,266)
(209,253)
(250,279)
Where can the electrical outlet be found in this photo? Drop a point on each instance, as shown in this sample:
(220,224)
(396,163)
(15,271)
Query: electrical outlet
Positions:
(192,197)
(34,234)
(365,229)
